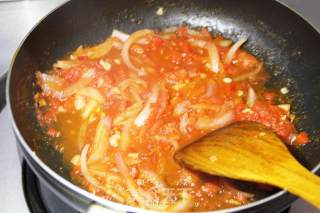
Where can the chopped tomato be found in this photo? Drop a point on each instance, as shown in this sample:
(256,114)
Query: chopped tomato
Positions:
(156,42)
(270,96)
(302,138)
(269,115)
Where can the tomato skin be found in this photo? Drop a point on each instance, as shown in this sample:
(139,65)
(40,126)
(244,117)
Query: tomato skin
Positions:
(270,96)
(302,138)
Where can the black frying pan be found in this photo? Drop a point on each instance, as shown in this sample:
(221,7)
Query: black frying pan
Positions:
(287,44)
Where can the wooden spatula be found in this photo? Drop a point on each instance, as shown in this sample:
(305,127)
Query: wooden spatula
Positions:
(252,152)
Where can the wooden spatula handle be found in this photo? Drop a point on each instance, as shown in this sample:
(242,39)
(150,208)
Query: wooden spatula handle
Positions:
(303,183)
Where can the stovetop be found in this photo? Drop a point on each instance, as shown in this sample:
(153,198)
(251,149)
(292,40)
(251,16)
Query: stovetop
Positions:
(16,19)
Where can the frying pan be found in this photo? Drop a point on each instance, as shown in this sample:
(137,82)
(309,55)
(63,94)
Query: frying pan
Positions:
(286,43)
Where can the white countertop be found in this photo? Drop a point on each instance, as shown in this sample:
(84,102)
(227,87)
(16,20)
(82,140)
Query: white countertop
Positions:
(16,19)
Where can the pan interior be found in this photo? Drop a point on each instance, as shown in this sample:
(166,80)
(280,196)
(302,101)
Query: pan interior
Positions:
(284,41)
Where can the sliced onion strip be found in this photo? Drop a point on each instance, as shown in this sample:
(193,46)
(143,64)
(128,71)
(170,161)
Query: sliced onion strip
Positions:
(143,115)
(125,137)
(125,50)
(155,180)
(65,64)
(248,75)
(209,91)
(134,190)
(206,123)
(92,93)
(184,204)
(94,52)
(101,139)
(129,114)
(181,108)
(85,79)
(214,57)
(50,84)
(84,168)
(197,43)
(234,49)
(252,97)
(90,106)
(225,43)
(184,121)
(146,111)
(120,35)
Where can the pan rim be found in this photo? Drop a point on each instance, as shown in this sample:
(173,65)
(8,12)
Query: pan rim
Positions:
(95,199)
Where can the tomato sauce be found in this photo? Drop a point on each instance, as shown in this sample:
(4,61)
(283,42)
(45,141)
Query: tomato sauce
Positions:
(122,108)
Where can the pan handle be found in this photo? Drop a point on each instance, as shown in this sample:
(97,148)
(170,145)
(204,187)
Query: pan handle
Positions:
(3,80)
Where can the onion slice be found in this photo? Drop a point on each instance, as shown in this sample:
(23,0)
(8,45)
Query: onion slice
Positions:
(65,64)
(94,52)
(210,89)
(197,43)
(252,97)
(184,204)
(214,57)
(234,49)
(50,84)
(125,50)
(184,122)
(85,79)
(206,123)
(137,194)
(181,108)
(101,138)
(155,180)
(225,43)
(91,93)
(146,111)
(120,35)
(249,75)
(89,107)
(83,159)
(84,168)
(128,115)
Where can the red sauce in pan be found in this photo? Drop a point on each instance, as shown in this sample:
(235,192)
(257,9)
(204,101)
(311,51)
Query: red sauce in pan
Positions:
(120,109)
